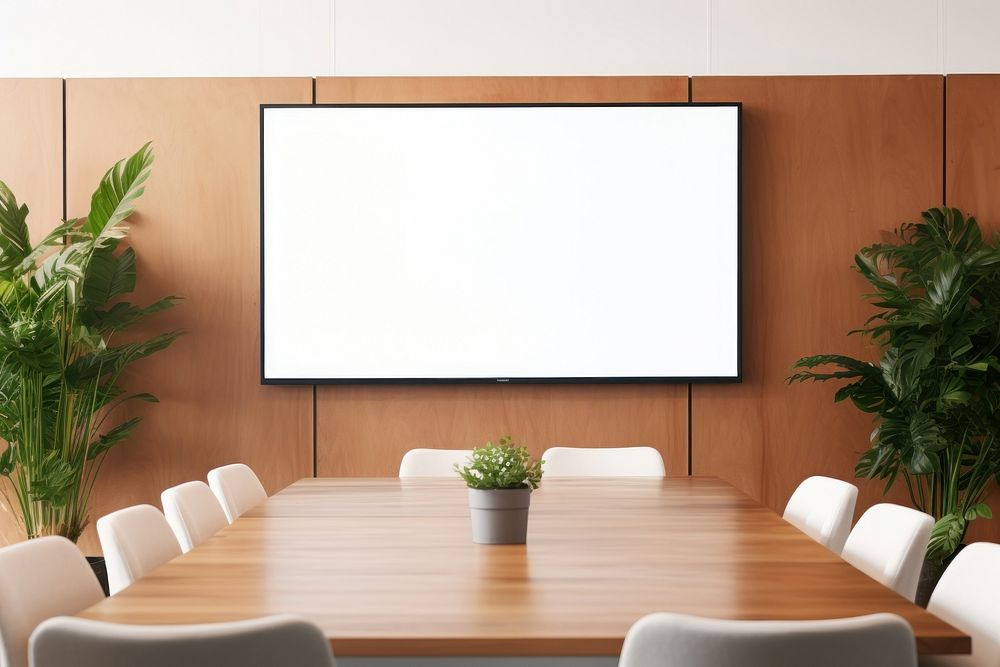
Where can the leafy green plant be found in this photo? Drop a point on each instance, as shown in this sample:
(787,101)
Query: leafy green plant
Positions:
(501,466)
(60,363)
(935,393)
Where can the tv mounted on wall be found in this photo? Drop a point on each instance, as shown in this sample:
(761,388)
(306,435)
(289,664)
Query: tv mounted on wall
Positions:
(432,243)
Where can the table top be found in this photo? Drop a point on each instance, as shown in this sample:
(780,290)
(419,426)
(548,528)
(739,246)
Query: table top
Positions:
(388,567)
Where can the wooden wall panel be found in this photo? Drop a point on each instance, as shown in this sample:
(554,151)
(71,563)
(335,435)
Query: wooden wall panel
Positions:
(437,89)
(828,164)
(973,152)
(972,172)
(196,234)
(364,430)
(31,162)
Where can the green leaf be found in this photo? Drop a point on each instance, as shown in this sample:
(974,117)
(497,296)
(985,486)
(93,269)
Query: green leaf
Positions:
(945,281)
(112,438)
(114,199)
(143,396)
(983,510)
(946,535)
(14,242)
(100,362)
(107,276)
(920,463)
(122,315)
(952,392)
(7,461)
(53,479)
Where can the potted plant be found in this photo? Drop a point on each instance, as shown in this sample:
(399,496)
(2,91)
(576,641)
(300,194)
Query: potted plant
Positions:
(500,478)
(935,391)
(61,310)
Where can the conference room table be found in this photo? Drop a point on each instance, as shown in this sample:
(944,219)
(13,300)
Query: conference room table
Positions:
(387,567)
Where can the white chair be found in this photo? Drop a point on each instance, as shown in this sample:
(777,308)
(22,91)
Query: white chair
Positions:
(39,579)
(237,488)
(888,544)
(135,540)
(193,513)
(968,597)
(823,508)
(432,462)
(603,462)
(263,642)
(676,640)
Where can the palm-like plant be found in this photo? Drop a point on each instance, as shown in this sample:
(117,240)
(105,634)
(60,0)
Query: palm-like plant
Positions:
(59,366)
(935,393)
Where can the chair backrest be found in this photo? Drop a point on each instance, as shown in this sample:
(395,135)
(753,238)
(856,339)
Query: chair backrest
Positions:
(432,462)
(135,541)
(263,642)
(668,640)
(193,513)
(603,462)
(822,508)
(968,597)
(39,579)
(888,544)
(237,488)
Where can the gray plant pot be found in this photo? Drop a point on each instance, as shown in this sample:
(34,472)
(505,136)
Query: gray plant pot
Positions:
(499,516)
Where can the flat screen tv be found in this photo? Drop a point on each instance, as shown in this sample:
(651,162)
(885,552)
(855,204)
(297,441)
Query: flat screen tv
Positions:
(427,243)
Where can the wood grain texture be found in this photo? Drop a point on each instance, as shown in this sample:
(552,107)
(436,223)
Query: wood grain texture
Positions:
(387,567)
(31,165)
(830,163)
(364,430)
(429,89)
(972,173)
(196,234)
(973,152)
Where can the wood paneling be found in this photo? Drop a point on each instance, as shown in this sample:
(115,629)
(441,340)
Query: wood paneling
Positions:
(388,567)
(364,430)
(972,172)
(430,89)
(31,162)
(196,234)
(973,152)
(829,163)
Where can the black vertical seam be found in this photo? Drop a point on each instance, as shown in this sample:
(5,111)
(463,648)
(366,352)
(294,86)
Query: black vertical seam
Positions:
(65,205)
(690,421)
(690,439)
(315,467)
(315,431)
(944,141)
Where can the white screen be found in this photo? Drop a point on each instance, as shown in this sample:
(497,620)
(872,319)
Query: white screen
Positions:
(500,242)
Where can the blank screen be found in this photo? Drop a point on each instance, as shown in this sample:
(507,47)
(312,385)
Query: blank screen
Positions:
(500,243)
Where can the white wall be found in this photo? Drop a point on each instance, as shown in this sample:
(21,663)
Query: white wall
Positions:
(82,38)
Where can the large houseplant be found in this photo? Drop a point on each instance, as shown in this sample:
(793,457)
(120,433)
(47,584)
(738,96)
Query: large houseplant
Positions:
(935,392)
(61,309)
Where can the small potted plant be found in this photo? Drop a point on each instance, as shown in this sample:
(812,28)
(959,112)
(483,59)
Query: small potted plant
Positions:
(500,478)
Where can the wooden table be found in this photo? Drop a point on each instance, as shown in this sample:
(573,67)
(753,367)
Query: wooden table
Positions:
(387,567)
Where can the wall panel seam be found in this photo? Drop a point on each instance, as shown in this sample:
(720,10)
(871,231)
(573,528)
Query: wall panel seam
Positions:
(64,202)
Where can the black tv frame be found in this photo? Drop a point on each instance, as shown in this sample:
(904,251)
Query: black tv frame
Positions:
(525,380)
